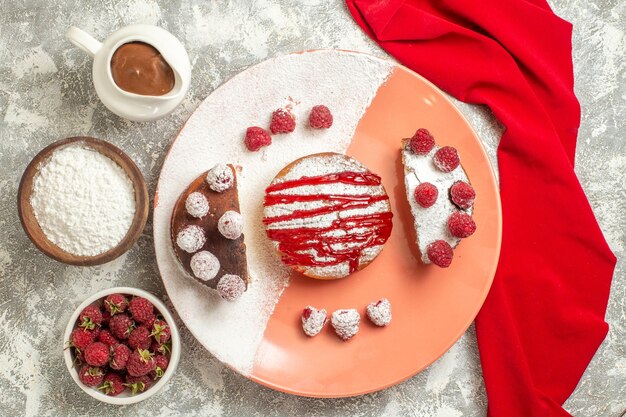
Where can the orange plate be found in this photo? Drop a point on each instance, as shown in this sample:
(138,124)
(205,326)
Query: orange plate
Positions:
(432,307)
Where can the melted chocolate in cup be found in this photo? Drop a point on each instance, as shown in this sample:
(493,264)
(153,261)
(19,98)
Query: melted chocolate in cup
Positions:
(139,68)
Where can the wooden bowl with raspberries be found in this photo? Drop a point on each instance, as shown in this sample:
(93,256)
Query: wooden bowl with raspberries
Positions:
(121,345)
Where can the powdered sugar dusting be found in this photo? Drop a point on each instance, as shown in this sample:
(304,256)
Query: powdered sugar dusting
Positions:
(430,223)
(213,136)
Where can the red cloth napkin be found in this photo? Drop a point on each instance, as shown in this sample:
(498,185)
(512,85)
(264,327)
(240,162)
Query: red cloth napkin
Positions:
(544,317)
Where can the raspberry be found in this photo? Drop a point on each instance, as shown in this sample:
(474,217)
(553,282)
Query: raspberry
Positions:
(422,142)
(138,383)
(120,326)
(107,338)
(119,356)
(161,367)
(160,348)
(140,363)
(112,384)
(97,354)
(106,316)
(320,117)
(141,309)
(115,303)
(426,194)
(81,338)
(282,122)
(313,320)
(346,323)
(160,331)
(461,224)
(139,338)
(90,376)
(256,138)
(379,312)
(446,159)
(231,287)
(440,253)
(90,317)
(462,194)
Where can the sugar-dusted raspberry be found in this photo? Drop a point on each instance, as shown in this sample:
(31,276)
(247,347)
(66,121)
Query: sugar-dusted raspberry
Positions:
(204,265)
(446,159)
(320,117)
(191,238)
(346,323)
(230,224)
(282,122)
(426,194)
(379,312)
(440,253)
(231,287)
(462,194)
(461,224)
(313,320)
(220,178)
(197,205)
(256,138)
(422,142)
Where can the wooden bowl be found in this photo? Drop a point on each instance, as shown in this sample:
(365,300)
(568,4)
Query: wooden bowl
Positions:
(37,236)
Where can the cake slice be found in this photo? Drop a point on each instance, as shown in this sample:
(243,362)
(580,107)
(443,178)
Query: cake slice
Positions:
(440,197)
(207,232)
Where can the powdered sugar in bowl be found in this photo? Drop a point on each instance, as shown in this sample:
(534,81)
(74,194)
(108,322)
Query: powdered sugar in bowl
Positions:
(82,201)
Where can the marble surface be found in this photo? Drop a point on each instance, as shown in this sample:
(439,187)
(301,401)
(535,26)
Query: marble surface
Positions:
(46,94)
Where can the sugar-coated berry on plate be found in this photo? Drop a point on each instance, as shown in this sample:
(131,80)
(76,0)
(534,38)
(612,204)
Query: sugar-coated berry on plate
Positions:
(345,322)
(220,178)
(231,287)
(440,253)
(97,354)
(140,362)
(462,195)
(256,138)
(379,312)
(422,142)
(141,310)
(282,122)
(191,238)
(90,317)
(91,376)
(80,338)
(197,205)
(461,224)
(140,338)
(204,265)
(230,225)
(115,303)
(320,117)
(426,194)
(120,353)
(120,326)
(313,320)
(446,159)
(112,384)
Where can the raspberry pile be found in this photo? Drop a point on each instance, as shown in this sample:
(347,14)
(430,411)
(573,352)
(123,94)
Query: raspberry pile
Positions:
(120,343)
(283,121)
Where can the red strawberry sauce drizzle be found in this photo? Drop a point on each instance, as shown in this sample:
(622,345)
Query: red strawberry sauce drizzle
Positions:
(293,240)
